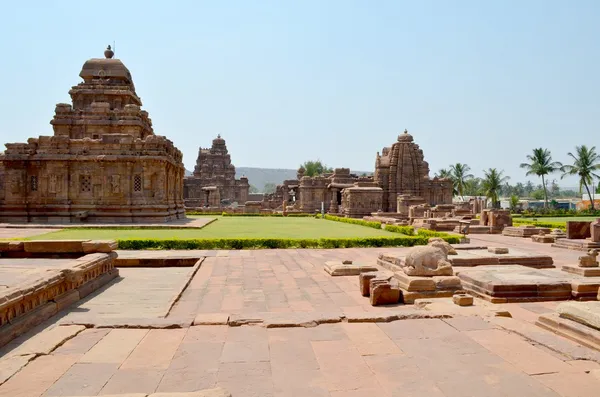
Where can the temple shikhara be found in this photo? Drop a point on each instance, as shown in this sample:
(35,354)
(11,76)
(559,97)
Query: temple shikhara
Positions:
(401,181)
(103,164)
(213,183)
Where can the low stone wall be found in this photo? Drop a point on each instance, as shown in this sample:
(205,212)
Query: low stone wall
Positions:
(45,293)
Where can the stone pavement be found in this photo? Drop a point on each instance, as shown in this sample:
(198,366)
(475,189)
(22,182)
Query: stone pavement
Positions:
(468,352)
(21,233)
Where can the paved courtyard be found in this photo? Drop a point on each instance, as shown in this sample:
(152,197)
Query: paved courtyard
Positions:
(435,349)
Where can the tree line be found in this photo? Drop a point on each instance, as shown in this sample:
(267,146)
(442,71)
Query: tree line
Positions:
(585,163)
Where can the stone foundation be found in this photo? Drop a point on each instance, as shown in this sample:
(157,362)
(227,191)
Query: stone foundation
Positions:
(524,231)
(39,296)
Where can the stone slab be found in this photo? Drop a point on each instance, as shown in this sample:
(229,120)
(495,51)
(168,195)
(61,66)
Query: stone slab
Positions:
(501,284)
(570,329)
(576,244)
(578,229)
(524,231)
(99,246)
(54,246)
(462,299)
(482,257)
(409,297)
(586,313)
(498,250)
(582,271)
(211,319)
(336,268)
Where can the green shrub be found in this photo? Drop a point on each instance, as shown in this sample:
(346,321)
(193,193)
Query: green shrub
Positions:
(353,221)
(408,230)
(449,237)
(271,243)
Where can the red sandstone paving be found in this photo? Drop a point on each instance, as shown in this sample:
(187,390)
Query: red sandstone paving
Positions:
(461,356)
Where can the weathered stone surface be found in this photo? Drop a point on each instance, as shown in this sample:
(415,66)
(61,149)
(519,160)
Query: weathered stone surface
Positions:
(524,231)
(54,246)
(589,260)
(577,244)
(502,284)
(384,293)
(335,268)
(123,172)
(481,257)
(11,246)
(46,341)
(595,231)
(92,246)
(571,329)
(211,319)
(217,392)
(498,250)
(10,365)
(364,280)
(462,299)
(213,182)
(543,238)
(578,229)
(587,313)
(582,271)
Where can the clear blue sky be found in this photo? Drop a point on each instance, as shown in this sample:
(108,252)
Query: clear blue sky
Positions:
(479,82)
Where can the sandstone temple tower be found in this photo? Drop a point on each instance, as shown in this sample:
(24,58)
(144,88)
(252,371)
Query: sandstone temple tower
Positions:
(403,174)
(103,164)
(213,181)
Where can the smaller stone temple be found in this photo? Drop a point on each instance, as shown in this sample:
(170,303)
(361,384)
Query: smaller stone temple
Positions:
(403,174)
(103,164)
(213,182)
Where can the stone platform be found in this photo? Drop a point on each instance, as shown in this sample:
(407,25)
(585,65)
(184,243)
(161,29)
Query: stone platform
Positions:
(576,244)
(36,284)
(514,283)
(341,268)
(578,321)
(524,231)
(482,257)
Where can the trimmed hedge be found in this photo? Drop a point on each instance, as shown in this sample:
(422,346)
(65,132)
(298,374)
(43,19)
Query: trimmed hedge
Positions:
(353,221)
(408,230)
(449,237)
(270,243)
(551,225)
(299,215)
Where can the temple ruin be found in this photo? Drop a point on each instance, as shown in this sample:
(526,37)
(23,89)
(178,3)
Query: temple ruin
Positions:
(401,180)
(103,164)
(213,183)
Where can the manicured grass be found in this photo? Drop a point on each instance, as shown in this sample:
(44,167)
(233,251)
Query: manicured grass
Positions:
(561,219)
(232,227)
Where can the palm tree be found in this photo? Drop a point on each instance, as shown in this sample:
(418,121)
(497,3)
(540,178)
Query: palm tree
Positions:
(492,184)
(445,174)
(585,162)
(460,174)
(541,164)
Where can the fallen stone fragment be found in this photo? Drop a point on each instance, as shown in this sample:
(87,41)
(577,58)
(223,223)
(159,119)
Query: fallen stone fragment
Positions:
(364,280)
(462,299)
(498,250)
(384,293)
(336,268)
(502,313)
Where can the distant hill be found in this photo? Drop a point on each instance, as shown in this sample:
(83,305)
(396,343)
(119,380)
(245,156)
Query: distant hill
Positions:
(260,176)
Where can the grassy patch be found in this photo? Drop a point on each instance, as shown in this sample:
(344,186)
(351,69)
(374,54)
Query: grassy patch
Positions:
(232,228)
(560,219)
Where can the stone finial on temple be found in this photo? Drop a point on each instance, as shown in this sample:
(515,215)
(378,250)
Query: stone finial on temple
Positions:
(109,53)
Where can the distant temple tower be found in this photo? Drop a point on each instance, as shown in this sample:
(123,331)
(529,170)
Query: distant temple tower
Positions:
(103,164)
(213,182)
(401,170)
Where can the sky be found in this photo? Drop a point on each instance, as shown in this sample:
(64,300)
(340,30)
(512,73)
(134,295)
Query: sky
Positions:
(476,82)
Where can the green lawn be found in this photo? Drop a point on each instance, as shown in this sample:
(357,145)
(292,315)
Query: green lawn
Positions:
(560,219)
(231,227)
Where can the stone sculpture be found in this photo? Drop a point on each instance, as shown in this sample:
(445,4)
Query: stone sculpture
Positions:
(589,260)
(429,260)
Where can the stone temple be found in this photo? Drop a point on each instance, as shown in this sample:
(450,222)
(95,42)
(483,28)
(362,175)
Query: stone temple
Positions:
(403,174)
(213,183)
(103,164)
(401,180)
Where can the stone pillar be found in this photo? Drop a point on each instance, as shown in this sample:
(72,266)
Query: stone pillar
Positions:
(595,230)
